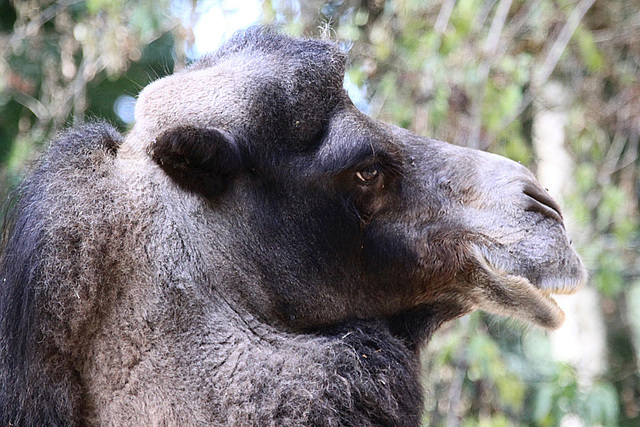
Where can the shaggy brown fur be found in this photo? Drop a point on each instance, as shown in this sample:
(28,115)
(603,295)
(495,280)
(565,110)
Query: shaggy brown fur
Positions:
(258,252)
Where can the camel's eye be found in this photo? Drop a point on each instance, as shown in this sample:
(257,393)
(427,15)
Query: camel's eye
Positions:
(368,174)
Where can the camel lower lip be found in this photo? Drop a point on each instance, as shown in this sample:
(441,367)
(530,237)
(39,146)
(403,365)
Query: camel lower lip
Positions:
(548,293)
(549,296)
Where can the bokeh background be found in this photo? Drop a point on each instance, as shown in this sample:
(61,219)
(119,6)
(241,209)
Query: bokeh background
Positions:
(554,84)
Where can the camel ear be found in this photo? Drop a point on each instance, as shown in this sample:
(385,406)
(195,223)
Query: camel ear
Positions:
(201,160)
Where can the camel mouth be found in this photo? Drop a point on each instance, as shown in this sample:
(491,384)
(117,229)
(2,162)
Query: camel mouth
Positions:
(546,311)
(549,292)
(504,290)
(549,296)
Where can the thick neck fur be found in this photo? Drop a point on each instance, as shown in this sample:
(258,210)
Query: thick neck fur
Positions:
(242,372)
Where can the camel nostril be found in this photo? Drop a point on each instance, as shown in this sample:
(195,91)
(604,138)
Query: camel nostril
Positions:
(542,203)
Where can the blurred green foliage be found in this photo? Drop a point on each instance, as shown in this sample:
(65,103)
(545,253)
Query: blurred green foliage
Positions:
(468,71)
(66,61)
